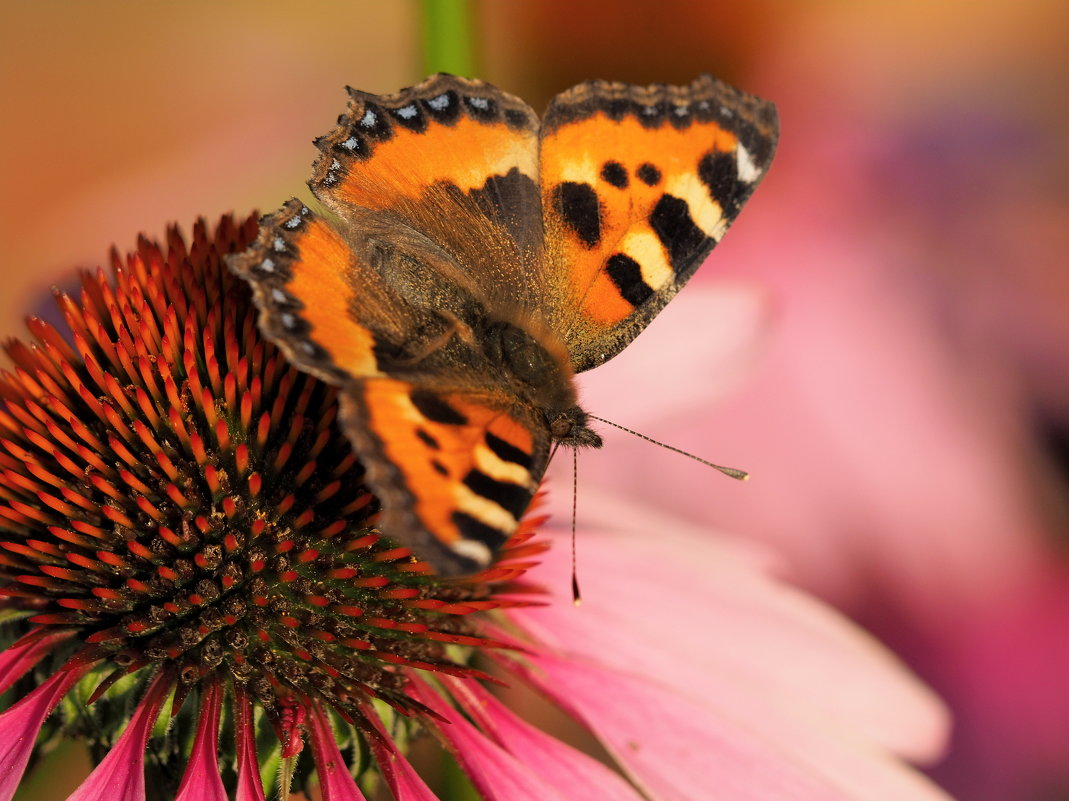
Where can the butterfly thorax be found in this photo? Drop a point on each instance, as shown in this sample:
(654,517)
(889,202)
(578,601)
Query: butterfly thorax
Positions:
(544,378)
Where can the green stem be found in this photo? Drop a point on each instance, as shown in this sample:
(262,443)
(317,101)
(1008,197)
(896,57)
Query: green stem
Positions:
(447,37)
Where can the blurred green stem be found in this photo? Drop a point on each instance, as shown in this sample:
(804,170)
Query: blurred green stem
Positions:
(447,37)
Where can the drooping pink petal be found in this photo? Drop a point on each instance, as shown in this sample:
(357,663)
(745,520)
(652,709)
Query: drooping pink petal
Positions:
(496,774)
(20,657)
(20,724)
(696,616)
(676,747)
(250,788)
(335,780)
(201,781)
(545,755)
(400,776)
(121,774)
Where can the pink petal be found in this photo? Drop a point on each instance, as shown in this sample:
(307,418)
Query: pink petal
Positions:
(400,776)
(496,774)
(20,724)
(732,318)
(17,659)
(201,781)
(249,787)
(675,748)
(696,617)
(335,780)
(121,774)
(543,754)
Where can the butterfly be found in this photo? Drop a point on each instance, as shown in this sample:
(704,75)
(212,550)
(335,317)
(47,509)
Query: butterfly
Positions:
(470,260)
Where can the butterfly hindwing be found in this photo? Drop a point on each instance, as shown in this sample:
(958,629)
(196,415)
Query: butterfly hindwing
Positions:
(455,470)
(638,186)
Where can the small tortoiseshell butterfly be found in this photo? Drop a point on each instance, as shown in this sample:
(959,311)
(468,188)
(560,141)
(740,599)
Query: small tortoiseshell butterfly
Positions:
(474,260)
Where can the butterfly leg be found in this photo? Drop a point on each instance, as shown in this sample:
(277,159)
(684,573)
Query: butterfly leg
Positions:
(454,326)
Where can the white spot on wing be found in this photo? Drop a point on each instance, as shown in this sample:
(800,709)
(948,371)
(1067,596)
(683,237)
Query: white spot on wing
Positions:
(646,249)
(748,172)
(479,103)
(439,103)
(369,119)
(484,510)
(474,550)
(500,470)
(705,212)
(406,112)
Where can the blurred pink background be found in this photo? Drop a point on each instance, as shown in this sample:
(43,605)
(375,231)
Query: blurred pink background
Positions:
(905,411)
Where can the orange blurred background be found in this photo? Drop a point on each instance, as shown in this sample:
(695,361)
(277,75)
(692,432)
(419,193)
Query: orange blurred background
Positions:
(921,185)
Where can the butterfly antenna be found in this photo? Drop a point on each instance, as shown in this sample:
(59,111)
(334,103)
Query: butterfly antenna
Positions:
(735,473)
(577,599)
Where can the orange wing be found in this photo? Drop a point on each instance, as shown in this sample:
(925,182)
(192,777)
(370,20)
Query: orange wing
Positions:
(453,159)
(454,470)
(638,186)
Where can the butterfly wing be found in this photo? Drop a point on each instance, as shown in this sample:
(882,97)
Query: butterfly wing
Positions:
(453,457)
(638,185)
(454,159)
(454,470)
(437,216)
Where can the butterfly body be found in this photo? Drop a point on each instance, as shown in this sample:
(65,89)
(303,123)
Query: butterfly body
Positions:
(473,260)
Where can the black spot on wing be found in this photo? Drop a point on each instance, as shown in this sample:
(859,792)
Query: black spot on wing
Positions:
(518,120)
(719,171)
(579,208)
(681,237)
(439,468)
(410,116)
(508,452)
(648,174)
(512,201)
(352,146)
(437,410)
(474,529)
(613,172)
(510,497)
(484,109)
(626,275)
(373,123)
(428,439)
(443,108)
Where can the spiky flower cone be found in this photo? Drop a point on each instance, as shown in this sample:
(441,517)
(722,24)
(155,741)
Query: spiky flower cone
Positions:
(179,507)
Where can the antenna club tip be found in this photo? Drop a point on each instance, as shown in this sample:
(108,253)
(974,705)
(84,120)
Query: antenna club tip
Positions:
(577,602)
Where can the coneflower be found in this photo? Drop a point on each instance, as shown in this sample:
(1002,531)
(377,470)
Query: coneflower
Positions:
(180,507)
(190,572)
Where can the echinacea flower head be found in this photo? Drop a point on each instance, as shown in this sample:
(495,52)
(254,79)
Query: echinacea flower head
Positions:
(191,582)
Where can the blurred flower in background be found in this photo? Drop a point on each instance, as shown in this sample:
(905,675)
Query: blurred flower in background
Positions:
(905,412)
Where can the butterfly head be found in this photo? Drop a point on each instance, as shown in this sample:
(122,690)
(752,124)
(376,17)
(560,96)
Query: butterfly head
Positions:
(570,428)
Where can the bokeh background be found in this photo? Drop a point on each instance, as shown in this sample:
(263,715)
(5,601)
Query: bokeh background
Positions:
(906,410)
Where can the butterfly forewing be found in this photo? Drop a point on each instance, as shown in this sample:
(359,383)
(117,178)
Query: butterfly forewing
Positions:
(454,159)
(638,186)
